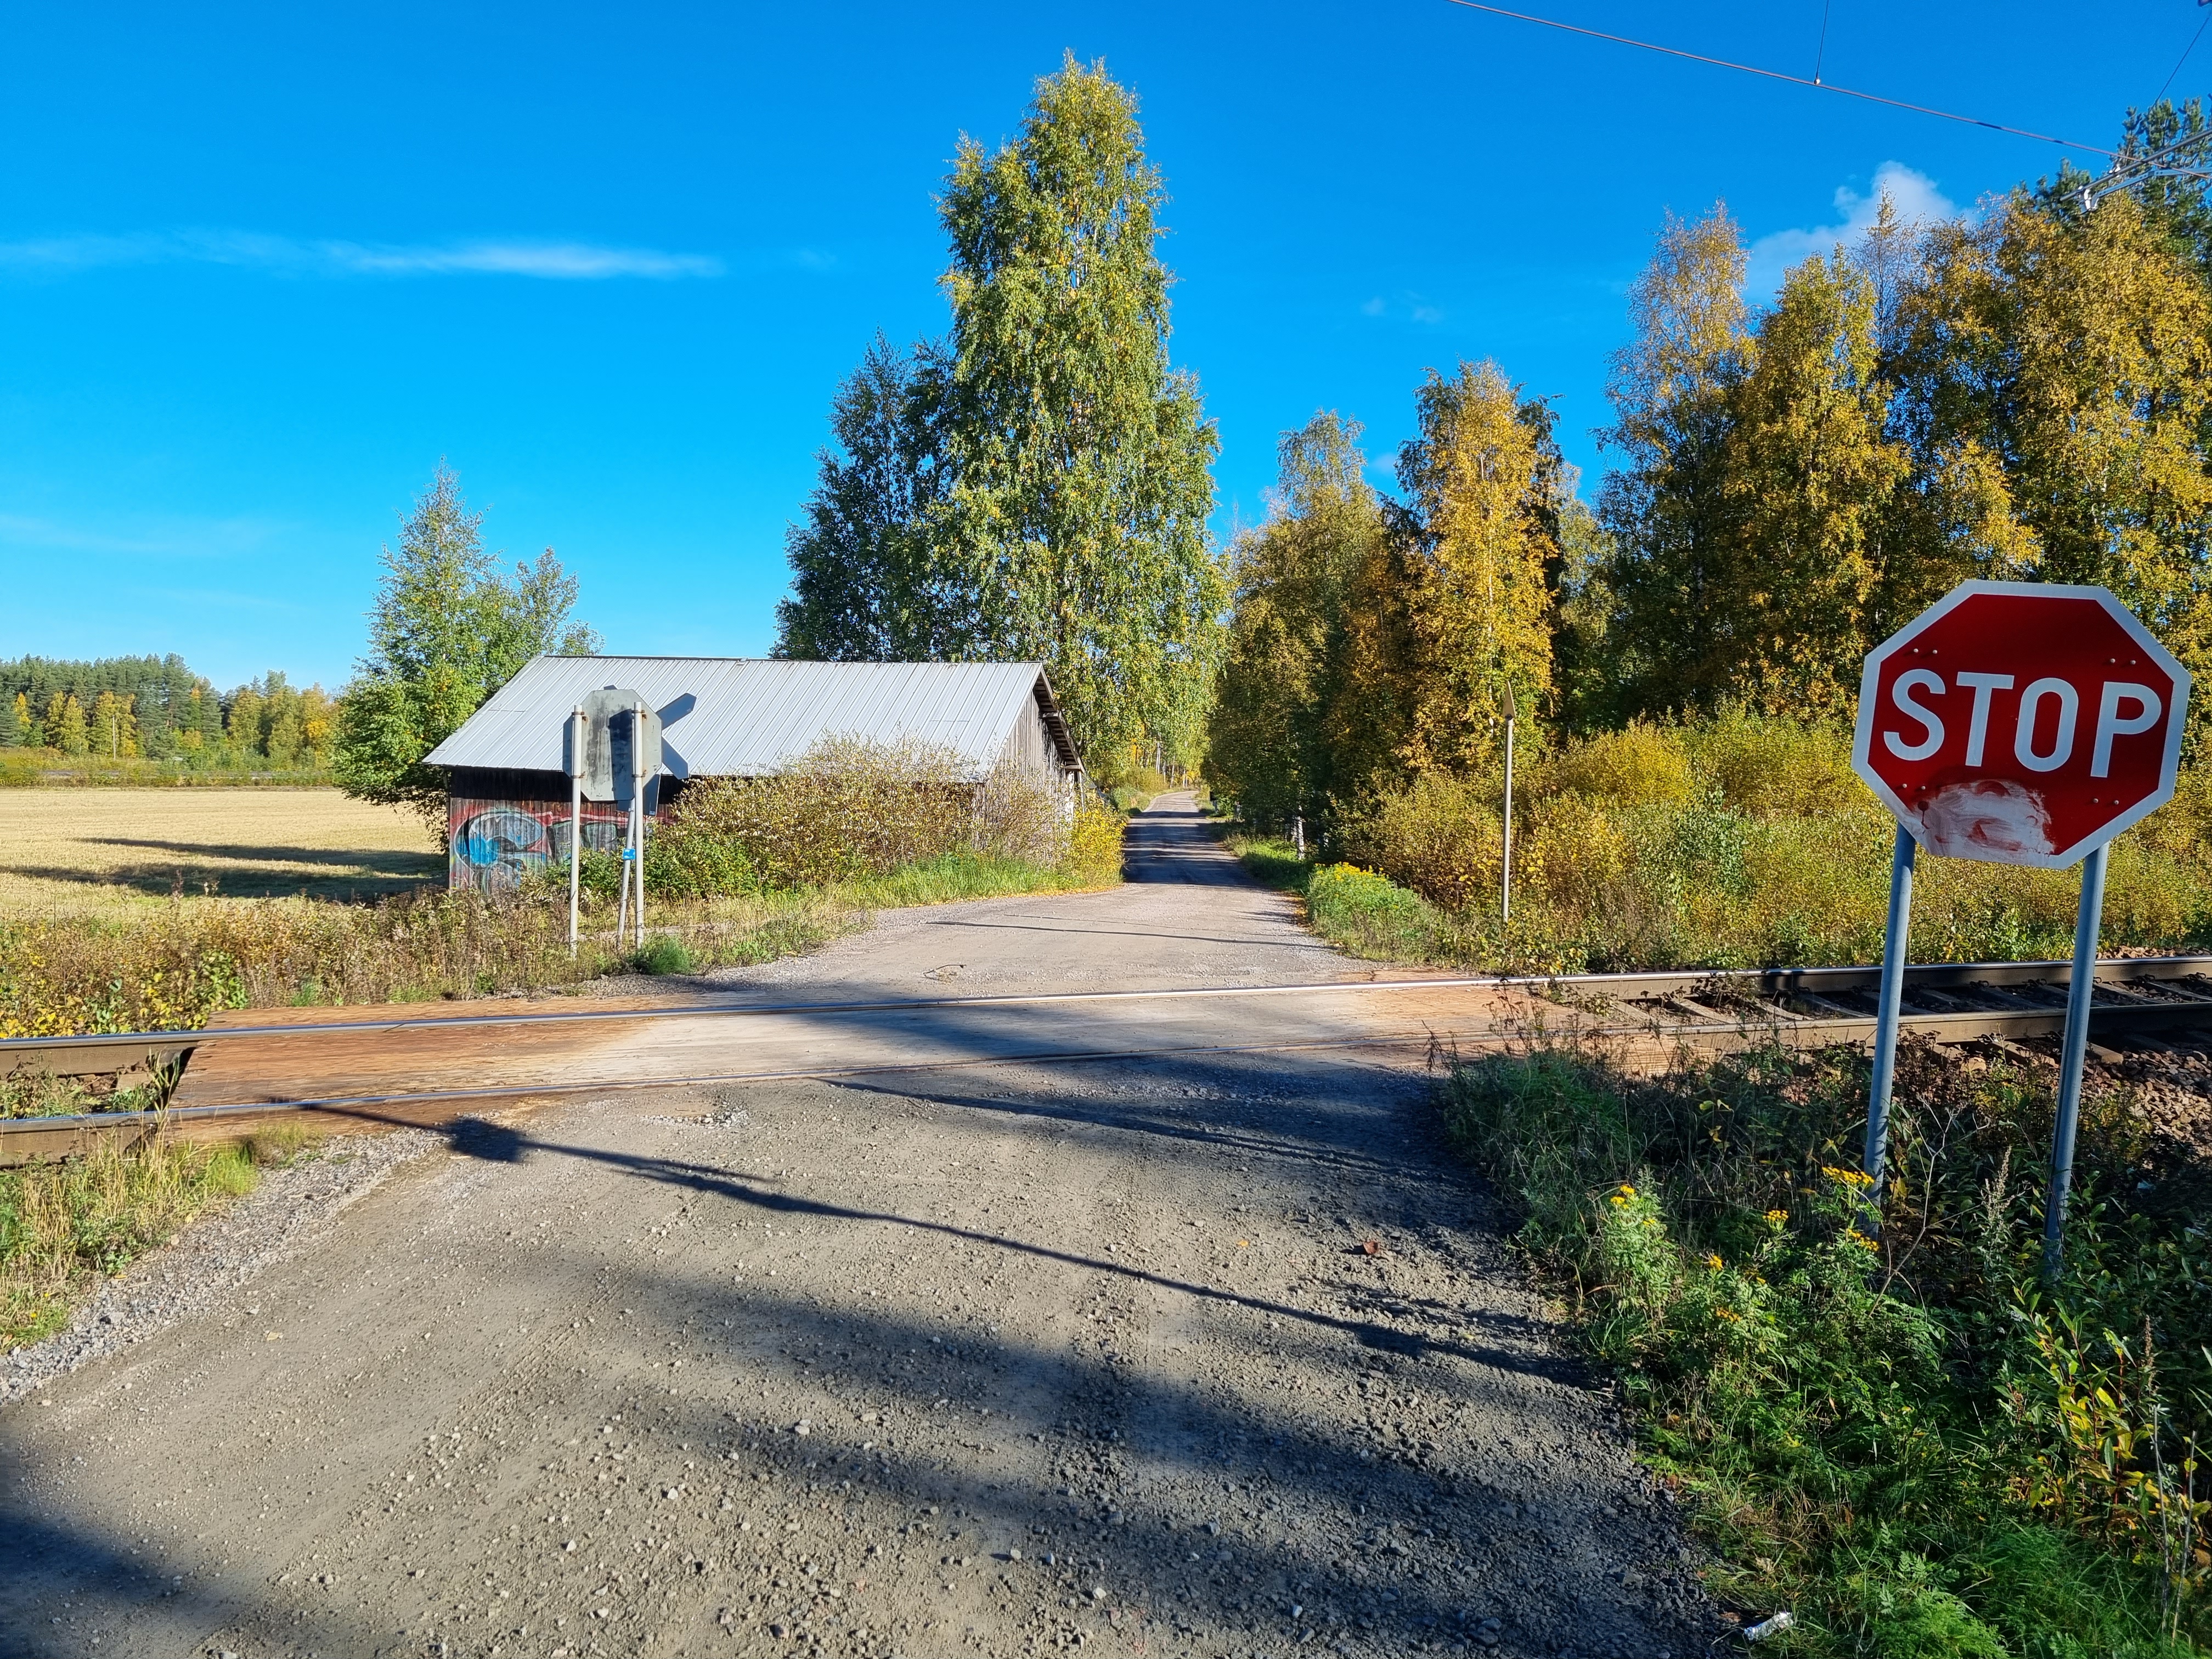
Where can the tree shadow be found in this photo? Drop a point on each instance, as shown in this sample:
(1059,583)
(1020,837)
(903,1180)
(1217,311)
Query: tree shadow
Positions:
(113,1589)
(388,875)
(383,861)
(1390,1537)
(503,1143)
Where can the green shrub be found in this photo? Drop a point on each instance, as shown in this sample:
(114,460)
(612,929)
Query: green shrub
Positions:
(847,810)
(1767,764)
(1444,837)
(687,860)
(1906,1437)
(1094,847)
(1347,902)
(664,954)
(1639,765)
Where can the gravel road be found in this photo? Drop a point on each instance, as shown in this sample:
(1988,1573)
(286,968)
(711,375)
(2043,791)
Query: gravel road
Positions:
(1219,1355)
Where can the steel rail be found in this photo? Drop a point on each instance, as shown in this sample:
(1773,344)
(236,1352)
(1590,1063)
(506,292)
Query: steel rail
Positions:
(93,1052)
(1709,1030)
(24,1138)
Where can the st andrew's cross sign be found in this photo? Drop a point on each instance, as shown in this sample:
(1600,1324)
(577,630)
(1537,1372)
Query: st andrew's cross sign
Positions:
(2018,723)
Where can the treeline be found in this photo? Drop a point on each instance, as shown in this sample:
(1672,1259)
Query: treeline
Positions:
(2026,394)
(157,708)
(448,629)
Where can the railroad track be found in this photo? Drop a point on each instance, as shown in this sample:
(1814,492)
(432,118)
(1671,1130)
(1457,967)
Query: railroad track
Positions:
(2153,1003)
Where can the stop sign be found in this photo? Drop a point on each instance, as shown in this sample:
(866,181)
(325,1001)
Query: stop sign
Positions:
(2020,722)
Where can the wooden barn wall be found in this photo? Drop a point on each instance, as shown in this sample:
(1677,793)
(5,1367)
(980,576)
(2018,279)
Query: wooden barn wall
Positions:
(1029,748)
(500,824)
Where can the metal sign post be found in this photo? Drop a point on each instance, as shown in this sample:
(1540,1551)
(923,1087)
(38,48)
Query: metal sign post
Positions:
(641,772)
(2017,723)
(621,905)
(2073,1054)
(572,759)
(1899,929)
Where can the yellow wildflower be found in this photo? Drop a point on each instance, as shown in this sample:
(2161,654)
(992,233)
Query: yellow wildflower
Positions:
(1714,1263)
(1777,1215)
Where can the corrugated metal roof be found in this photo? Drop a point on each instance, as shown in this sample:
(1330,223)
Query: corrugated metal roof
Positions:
(747,716)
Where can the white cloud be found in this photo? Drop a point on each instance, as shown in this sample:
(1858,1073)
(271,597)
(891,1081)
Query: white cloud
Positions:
(161,537)
(291,256)
(1914,194)
(1407,306)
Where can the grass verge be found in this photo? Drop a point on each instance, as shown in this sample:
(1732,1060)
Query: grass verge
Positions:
(1914,1444)
(1358,912)
(65,1226)
(172,966)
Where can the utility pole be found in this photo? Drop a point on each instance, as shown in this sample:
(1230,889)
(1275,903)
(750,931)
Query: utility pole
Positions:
(1505,882)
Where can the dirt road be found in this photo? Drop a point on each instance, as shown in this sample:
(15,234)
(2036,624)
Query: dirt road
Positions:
(998,1361)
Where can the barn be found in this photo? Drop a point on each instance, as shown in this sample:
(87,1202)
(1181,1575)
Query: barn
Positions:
(507,798)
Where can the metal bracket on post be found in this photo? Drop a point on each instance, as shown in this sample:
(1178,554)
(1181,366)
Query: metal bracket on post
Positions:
(1893,952)
(2072,1056)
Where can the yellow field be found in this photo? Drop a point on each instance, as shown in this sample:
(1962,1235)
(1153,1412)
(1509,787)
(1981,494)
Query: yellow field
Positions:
(77,850)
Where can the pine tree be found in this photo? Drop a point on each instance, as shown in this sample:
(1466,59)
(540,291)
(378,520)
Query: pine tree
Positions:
(446,633)
(867,583)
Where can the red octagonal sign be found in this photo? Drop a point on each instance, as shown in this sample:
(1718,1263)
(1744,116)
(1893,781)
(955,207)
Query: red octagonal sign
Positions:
(2020,723)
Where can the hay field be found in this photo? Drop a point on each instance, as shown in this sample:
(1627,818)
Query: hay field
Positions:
(79,851)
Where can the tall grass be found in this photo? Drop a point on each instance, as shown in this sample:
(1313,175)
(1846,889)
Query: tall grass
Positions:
(1912,1443)
(170,968)
(1737,841)
(65,1225)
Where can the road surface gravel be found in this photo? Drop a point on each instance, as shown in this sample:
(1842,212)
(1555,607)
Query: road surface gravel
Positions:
(1216,1354)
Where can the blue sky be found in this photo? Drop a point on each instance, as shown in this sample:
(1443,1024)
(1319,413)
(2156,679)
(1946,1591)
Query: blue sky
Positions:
(261,267)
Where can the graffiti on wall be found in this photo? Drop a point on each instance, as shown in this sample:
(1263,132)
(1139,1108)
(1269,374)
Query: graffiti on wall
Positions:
(496,844)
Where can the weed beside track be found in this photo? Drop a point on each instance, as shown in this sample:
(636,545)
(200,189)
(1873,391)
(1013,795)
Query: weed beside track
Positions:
(63,1226)
(1901,1434)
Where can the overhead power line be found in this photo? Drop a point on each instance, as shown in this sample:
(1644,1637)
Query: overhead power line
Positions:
(2185,51)
(1816,83)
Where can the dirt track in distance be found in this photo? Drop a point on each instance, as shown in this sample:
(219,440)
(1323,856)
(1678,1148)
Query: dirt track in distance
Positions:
(1009,1359)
